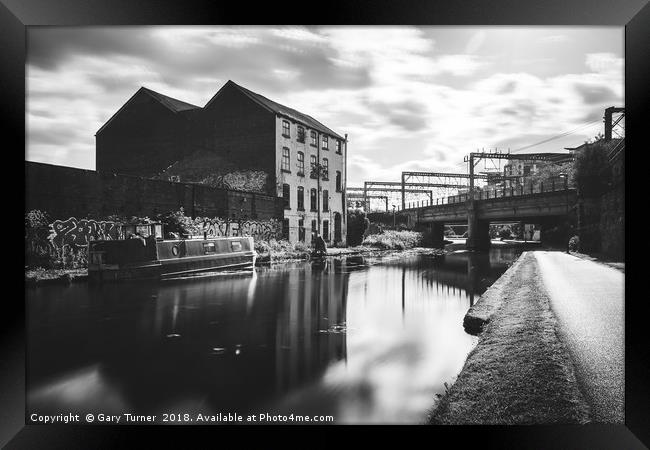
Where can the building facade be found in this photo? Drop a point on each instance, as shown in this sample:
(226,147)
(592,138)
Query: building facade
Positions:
(241,138)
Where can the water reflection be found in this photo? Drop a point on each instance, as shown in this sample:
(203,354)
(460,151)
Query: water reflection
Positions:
(364,339)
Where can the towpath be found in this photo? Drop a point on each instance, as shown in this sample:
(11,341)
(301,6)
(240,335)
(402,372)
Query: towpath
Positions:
(588,300)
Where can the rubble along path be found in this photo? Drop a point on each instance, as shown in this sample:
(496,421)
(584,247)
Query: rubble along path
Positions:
(520,372)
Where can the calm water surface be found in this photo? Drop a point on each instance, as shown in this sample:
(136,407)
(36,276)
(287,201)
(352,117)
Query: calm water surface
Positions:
(367,340)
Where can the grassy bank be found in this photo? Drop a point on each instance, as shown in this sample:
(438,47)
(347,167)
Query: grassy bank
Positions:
(519,372)
(393,240)
(277,251)
(40,275)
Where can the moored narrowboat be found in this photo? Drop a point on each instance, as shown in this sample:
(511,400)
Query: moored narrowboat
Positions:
(142,253)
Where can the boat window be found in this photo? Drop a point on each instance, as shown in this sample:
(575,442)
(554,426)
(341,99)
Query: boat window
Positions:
(209,247)
(236,246)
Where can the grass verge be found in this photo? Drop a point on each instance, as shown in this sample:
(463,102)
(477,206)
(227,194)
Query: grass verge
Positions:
(41,275)
(520,372)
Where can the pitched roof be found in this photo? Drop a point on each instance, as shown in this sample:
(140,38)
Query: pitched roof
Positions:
(280,109)
(174,105)
(171,103)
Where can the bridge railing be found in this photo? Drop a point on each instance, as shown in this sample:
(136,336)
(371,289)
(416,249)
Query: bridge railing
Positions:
(493,193)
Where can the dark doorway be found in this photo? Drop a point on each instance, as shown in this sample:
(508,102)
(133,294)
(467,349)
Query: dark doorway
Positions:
(337,227)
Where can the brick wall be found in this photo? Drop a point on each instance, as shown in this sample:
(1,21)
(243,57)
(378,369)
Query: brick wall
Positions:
(65,191)
(240,131)
(143,138)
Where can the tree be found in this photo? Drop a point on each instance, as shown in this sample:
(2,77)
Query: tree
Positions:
(357,225)
(592,170)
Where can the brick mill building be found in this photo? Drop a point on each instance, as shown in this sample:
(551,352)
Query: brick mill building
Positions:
(241,138)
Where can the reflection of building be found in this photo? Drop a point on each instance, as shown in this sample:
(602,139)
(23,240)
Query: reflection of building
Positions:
(239,140)
(308,333)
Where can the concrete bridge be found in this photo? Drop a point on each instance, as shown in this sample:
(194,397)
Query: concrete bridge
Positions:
(548,206)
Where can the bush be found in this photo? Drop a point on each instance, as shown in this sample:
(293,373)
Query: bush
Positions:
(505,233)
(394,240)
(358,223)
(593,172)
(178,222)
(278,250)
(574,243)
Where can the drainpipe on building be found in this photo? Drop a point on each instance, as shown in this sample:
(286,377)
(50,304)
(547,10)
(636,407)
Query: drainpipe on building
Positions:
(344,182)
(318,172)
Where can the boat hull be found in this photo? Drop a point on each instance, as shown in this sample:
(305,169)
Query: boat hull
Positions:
(110,261)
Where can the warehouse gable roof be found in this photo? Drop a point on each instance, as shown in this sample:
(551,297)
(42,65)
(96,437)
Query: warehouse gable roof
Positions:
(279,109)
(174,105)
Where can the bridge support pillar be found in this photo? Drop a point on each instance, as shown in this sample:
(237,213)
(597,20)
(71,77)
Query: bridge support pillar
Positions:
(478,231)
(437,231)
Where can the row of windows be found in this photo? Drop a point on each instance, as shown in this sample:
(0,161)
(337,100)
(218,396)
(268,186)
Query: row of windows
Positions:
(313,198)
(286,132)
(313,167)
(301,230)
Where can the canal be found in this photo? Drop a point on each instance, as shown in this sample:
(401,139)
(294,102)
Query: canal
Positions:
(364,339)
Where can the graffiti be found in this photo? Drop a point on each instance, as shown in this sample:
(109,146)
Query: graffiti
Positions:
(257,229)
(246,180)
(77,233)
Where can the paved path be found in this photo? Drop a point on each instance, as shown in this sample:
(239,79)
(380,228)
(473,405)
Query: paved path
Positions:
(588,300)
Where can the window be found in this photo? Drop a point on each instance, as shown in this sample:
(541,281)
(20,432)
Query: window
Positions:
(301,198)
(314,140)
(285,128)
(338,146)
(326,200)
(285,229)
(326,230)
(313,200)
(209,247)
(312,167)
(286,195)
(285,160)
(338,181)
(326,169)
(325,142)
(301,133)
(301,230)
(301,164)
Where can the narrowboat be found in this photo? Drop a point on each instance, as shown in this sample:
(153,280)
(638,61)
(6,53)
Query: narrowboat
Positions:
(140,252)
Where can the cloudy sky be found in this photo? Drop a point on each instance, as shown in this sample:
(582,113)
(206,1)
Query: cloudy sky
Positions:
(410,98)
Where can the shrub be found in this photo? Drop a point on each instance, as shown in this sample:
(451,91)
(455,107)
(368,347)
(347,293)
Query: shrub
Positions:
(574,243)
(278,250)
(178,222)
(358,223)
(394,240)
(505,233)
(593,173)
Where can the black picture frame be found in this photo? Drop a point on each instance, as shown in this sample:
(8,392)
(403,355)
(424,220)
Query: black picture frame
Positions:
(16,15)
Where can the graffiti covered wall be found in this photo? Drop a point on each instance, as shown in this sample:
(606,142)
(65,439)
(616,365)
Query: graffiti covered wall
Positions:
(258,229)
(77,232)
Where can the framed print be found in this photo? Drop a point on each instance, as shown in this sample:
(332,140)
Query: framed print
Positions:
(395,216)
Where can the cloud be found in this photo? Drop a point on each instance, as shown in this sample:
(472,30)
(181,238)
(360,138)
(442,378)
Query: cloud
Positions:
(476,41)
(409,98)
(596,94)
(604,62)
(459,65)
(553,39)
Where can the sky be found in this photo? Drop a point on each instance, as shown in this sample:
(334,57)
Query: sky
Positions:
(409,98)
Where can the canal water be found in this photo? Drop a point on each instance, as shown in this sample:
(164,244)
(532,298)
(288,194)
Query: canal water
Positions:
(364,339)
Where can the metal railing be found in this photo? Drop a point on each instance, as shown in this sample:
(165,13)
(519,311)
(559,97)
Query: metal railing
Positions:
(494,193)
